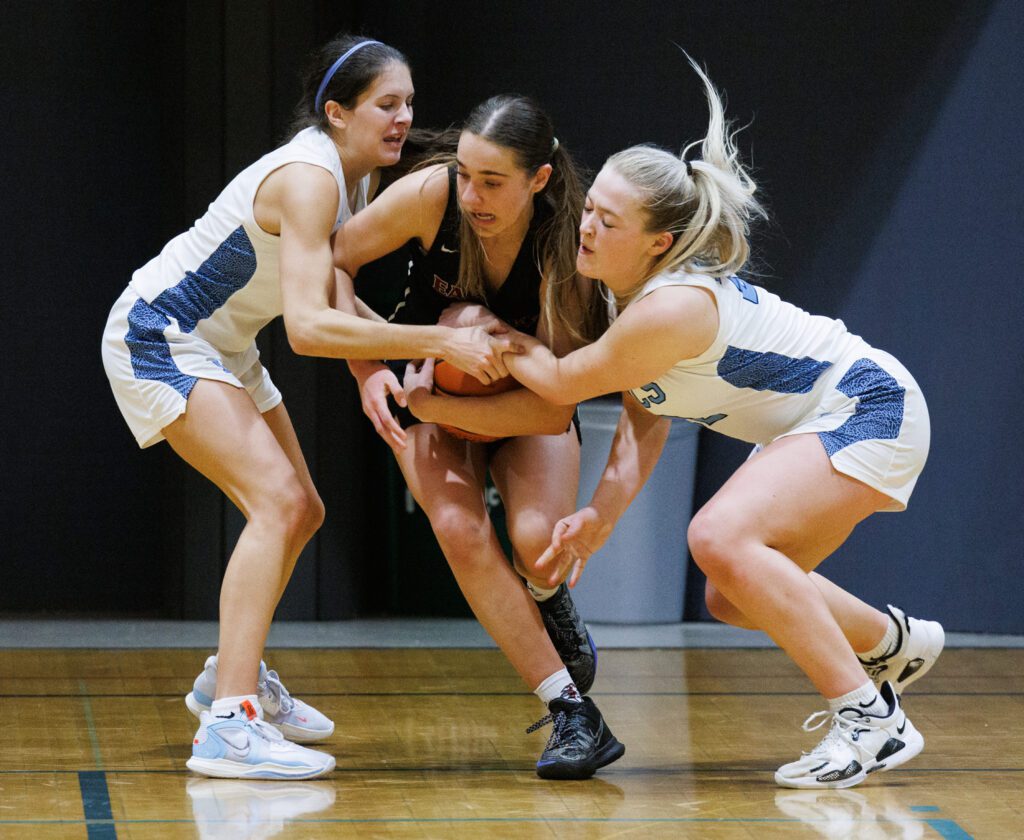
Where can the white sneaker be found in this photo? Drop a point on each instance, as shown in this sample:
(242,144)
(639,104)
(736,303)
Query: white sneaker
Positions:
(856,744)
(244,747)
(918,646)
(225,809)
(297,721)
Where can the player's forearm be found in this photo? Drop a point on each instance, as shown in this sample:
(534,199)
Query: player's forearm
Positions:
(340,335)
(635,450)
(512,414)
(541,372)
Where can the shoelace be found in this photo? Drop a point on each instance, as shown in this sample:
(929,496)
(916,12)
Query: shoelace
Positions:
(279,693)
(560,721)
(265,730)
(836,734)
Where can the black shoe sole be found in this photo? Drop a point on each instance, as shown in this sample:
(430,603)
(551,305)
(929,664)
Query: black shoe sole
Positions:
(611,751)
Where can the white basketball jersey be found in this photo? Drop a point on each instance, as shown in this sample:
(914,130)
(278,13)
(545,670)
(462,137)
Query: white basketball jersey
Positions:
(220,278)
(766,371)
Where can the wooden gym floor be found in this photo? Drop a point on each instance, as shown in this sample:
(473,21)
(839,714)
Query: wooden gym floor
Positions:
(430,743)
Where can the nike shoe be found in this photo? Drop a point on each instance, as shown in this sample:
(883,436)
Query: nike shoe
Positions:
(580,742)
(856,744)
(297,721)
(225,809)
(570,637)
(242,746)
(918,646)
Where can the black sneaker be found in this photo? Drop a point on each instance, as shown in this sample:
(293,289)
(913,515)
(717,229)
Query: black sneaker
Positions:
(580,741)
(570,637)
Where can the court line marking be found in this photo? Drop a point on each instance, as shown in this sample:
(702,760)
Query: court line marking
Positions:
(99,818)
(90,725)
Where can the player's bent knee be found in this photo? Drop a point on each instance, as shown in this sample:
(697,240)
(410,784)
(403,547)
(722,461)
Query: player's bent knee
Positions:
(459,534)
(291,506)
(709,541)
(530,542)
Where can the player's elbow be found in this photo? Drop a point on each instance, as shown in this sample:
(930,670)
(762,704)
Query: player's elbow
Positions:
(301,334)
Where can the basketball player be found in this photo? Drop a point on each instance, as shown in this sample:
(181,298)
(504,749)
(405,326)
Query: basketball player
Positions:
(497,226)
(179,349)
(841,430)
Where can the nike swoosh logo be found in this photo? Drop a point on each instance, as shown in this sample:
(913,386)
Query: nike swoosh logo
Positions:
(447,250)
(225,717)
(237,741)
(902,727)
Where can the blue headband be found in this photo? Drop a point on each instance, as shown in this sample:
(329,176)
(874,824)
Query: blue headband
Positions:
(334,69)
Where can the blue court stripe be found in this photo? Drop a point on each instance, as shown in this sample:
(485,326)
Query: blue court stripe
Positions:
(99,819)
(949,830)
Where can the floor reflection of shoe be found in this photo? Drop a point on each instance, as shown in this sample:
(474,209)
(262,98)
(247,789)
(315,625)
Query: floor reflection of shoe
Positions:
(297,721)
(856,744)
(226,809)
(848,815)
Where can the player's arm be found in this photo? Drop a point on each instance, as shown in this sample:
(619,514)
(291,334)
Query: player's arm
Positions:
(639,439)
(306,199)
(410,208)
(666,326)
(511,414)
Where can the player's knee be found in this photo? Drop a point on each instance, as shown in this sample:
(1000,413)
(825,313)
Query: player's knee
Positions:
(713,540)
(530,536)
(460,535)
(297,509)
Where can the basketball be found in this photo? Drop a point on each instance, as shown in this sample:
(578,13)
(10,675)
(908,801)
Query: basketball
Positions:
(449,380)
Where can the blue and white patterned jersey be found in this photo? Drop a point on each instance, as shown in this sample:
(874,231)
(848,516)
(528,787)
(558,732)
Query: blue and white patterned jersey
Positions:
(768,371)
(220,279)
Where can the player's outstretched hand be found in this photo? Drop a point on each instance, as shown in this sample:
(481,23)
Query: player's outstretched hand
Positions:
(573,540)
(376,382)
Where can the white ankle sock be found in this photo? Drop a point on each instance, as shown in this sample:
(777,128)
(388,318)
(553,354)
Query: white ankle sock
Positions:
(887,645)
(554,686)
(539,595)
(865,697)
(226,705)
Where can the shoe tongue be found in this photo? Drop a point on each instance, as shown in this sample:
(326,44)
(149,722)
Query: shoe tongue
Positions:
(571,693)
(569,699)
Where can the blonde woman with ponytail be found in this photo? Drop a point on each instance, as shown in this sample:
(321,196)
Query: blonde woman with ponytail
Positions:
(841,431)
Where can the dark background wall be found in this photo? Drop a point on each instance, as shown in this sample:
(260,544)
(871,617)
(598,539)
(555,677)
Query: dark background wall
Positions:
(885,138)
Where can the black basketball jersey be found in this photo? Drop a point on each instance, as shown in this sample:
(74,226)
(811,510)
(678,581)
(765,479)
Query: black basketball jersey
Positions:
(434,274)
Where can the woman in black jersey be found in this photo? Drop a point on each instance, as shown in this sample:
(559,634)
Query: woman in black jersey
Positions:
(493,235)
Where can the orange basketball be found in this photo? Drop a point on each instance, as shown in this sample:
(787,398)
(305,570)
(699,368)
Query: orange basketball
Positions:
(448,379)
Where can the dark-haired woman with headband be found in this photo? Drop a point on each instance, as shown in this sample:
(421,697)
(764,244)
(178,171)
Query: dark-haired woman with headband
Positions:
(492,234)
(179,350)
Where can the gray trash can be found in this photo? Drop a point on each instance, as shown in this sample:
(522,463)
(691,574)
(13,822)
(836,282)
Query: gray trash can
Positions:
(639,576)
